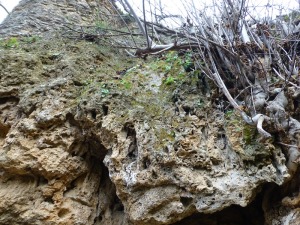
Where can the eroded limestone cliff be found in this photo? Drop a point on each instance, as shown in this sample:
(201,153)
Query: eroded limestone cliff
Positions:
(91,136)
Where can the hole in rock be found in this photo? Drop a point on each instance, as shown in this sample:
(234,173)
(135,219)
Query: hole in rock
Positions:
(99,219)
(4,130)
(11,99)
(131,135)
(186,109)
(94,114)
(63,213)
(41,181)
(186,201)
(154,175)
(129,128)
(233,215)
(146,163)
(88,146)
(70,118)
(108,200)
(73,184)
(105,110)
(166,149)
(118,206)
(49,200)
(78,83)
(267,199)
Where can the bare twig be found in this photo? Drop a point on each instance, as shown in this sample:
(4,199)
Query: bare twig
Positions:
(1,5)
(145,28)
(137,19)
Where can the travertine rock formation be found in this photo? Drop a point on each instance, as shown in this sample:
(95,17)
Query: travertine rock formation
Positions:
(51,168)
(88,136)
(32,17)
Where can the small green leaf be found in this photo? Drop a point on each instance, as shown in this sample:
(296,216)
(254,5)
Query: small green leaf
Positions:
(169,80)
(104,92)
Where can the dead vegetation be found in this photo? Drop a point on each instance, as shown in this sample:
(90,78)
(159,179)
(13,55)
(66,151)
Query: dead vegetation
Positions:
(255,63)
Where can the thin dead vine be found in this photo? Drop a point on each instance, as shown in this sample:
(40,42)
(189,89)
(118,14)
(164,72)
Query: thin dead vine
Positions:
(258,59)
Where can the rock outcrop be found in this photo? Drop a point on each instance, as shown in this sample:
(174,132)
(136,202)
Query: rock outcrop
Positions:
(89,136)
(40,17)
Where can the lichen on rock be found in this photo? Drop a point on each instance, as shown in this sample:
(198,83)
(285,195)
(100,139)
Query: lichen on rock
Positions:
(89,136)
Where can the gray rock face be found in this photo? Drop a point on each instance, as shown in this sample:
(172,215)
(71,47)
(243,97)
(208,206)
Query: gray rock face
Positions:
(181,162)
(37,17)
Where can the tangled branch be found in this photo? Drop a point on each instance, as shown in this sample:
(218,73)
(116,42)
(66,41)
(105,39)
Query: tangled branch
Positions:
(257,59)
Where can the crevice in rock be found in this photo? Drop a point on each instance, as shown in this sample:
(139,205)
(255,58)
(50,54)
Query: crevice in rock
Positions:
(271,202)
(279,201)
(186,201)
(146,162)
(107,207)
(131,135)
(7,114)
(296,105)
(105,109)
(12,99)
(93,114)
(108,201)
(3,130)
(71,120)
(49,200)
(233,215)
(187,109)
(95,148)
(41,181)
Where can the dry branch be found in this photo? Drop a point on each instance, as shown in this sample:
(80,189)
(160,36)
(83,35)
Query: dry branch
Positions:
(233,53)
(4,8)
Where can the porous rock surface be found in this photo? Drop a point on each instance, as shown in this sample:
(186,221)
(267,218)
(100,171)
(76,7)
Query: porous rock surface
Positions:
(88,136)
(167,156)
(32,17)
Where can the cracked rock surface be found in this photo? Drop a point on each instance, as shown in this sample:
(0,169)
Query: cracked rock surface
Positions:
(89,136)
(79,146)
